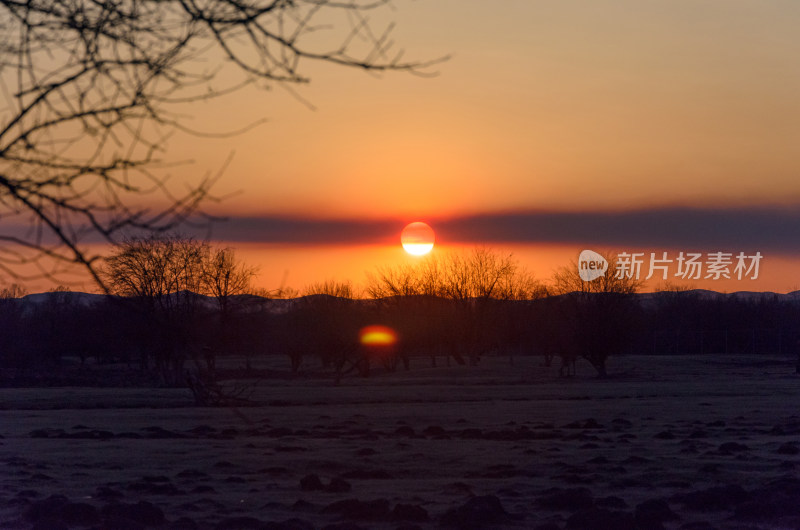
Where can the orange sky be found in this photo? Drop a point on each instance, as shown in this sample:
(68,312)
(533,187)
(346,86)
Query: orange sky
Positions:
(298,266)
(544,106)
(541,105)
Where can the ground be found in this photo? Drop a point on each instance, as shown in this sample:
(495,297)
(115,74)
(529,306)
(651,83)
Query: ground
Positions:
(666,441)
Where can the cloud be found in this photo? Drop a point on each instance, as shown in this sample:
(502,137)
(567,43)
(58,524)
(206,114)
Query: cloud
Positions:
(707,229)
(306,231)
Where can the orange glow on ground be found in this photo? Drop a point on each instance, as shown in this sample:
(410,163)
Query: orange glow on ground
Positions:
(377,336)
(417,238)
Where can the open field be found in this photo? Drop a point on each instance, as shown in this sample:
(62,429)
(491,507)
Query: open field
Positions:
(672,441)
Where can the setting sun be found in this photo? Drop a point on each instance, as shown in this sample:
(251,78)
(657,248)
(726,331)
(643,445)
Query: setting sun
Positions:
(417,238)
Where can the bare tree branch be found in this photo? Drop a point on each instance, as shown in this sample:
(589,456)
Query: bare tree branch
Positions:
(90,89)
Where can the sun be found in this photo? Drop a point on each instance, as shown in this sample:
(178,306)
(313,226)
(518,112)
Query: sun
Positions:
(417,238)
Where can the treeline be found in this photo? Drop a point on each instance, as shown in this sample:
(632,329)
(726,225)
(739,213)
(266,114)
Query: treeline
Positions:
(700,322)
(176,305)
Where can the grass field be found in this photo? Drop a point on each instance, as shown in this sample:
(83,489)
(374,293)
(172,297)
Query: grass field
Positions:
(666,441)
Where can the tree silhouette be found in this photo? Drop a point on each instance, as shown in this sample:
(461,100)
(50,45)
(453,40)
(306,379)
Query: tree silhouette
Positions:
(325,321)
(226,279)
(160,278)
(595,319)
(11,322)
(91,90)
(476,284)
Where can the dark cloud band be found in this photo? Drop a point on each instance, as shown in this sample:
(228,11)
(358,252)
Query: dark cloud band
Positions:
(732,228)
(701,229)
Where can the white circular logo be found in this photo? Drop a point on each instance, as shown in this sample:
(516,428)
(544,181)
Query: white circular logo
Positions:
(591,265)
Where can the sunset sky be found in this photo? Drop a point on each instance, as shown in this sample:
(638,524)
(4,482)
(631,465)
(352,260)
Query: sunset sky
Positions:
(553,127)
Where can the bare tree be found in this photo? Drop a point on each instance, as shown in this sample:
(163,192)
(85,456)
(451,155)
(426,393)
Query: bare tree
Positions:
(224,277)
(594,318)
(90,94)
(155,268)
(164,280)
(11,321)
(482,282)
(14,290)
(475,283)
(327,320)
(567,279)
(331,288)
(160,278)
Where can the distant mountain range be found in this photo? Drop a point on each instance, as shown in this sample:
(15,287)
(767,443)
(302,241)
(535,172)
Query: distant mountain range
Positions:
(705,294)
(282,305)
